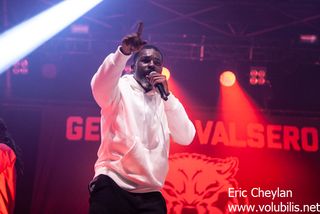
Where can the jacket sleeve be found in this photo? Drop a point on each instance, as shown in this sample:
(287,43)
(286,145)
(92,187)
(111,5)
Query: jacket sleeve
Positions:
(181,128)
(104,83)
(7,157)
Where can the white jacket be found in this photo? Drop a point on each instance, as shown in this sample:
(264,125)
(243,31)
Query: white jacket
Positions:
(135,128)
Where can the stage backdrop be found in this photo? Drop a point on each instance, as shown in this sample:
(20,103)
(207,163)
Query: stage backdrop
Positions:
(269,165)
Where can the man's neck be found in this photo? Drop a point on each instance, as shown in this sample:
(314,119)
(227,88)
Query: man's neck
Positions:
(145,88)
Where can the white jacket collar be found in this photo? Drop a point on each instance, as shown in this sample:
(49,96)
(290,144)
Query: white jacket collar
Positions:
(136,86)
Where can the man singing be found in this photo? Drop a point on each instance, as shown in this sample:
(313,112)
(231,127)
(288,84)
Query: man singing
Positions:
(138,116)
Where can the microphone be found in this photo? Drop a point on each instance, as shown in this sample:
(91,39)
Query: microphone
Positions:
(160,87)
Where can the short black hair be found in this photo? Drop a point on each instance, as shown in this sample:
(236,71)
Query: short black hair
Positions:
(136,55)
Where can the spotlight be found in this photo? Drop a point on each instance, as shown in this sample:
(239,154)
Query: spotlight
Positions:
(166,72)
(253,81)
(227,78)
(258,75)
(22,39)
(308,38)
(21,67)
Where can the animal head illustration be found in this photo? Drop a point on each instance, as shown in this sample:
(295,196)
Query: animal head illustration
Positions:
(198,184)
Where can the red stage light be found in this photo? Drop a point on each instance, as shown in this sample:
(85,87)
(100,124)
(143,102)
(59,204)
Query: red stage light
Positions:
(227,78)
(261,81)
(258,75)
(21,67)
(253,81)
(253,73)
(262,73)
(308,38)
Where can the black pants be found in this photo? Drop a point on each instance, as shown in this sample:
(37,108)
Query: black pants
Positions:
(106,197)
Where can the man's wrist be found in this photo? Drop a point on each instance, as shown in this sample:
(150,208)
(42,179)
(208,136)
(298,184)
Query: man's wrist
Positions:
(127,53)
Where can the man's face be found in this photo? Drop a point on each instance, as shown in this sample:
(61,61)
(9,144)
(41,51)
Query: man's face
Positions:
(148,60)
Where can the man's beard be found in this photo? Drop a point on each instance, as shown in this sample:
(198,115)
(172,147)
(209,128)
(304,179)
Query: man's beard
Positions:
(146,84)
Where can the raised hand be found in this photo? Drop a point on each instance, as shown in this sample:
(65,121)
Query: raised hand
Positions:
(133,42)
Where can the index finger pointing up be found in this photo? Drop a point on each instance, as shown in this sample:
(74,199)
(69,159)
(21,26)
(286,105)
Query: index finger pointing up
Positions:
(140,28)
